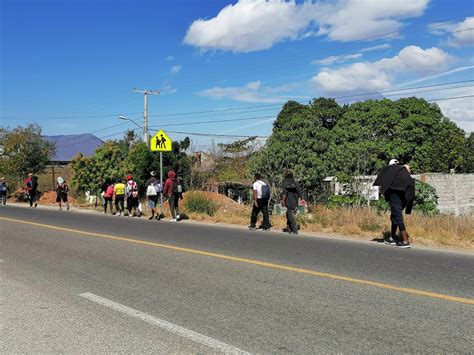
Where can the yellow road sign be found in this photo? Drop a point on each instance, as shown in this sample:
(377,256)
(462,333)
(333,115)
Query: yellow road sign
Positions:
(160,142)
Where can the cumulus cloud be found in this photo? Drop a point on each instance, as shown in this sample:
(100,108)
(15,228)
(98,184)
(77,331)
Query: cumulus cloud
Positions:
(459,110)
(175,69)
(251,92)
(252,25)
(377,76)
(463,33)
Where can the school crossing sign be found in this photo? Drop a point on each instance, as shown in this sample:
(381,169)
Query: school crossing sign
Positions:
(161,142)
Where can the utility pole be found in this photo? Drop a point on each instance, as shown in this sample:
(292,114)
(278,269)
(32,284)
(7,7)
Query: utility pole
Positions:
(145,111)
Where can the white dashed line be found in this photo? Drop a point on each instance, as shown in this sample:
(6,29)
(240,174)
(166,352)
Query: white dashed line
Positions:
(173,328)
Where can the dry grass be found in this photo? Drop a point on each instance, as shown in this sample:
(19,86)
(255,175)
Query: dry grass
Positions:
(362,223)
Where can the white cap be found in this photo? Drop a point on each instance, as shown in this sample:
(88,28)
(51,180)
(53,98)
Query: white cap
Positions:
(393,161)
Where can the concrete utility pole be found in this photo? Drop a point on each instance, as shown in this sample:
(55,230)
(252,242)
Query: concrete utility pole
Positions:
(145,111)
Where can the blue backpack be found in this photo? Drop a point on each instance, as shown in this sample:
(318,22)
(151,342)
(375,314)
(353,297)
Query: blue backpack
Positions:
(265,192)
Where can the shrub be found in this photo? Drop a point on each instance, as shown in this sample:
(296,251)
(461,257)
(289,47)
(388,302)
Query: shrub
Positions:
(337,201)
(426,200)
(196,202)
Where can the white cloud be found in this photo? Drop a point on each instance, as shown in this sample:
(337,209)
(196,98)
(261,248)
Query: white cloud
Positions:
(169,58)
(175,69)
(460,110)
(463,34)
(376,76)
(337,59)
(376,48)
(251,92)
(349,20)
(252,25)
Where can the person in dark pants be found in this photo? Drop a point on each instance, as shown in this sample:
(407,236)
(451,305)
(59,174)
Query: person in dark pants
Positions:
(32,189)
(261,197)
(173,190)
(3,191)
(398,188)
(289,199)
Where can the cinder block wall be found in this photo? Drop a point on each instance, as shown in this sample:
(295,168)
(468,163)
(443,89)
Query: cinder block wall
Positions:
(455,192)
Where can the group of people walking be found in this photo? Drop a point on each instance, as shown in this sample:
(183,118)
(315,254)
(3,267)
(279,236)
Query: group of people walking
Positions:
(127,194)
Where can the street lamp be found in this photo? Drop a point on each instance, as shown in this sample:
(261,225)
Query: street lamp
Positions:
(145,134)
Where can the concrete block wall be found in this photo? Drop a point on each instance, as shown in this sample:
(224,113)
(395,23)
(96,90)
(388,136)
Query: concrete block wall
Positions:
(455,192)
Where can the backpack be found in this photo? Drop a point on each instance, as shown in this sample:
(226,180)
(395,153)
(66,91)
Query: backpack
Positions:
(265,192)
(133,188)
(110,191)
(151,190)
(3,186)
(64,187)
(177,188)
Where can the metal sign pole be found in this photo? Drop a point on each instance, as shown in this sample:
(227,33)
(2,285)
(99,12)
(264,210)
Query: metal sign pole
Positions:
(161,182)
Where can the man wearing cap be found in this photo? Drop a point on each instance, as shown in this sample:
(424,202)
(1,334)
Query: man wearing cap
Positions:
(398,187)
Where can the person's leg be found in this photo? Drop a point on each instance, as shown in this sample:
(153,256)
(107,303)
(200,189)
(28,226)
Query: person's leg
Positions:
(105,204)
(66,201)
(4,198)
(129,205)
(266,218)
(30,199)
(293,224)
(122,204)
(171,203)
(176,206)
(35,199)
(254,216)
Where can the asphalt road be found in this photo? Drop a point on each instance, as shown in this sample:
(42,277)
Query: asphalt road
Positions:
(89,283)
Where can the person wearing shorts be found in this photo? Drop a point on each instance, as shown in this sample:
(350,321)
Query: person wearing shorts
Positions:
(61,193)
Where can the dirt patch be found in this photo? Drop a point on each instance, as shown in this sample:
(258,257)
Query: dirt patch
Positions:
(224,204)
(49,198)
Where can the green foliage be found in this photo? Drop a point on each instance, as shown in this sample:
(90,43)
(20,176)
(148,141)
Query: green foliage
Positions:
(324,139)
(469,154)
(25,151)
(426,200)
(338,201)
(199,203)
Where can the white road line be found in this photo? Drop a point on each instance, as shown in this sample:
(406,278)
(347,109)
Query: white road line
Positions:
(173,328)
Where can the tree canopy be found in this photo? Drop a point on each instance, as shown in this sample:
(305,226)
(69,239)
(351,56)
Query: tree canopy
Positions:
(324,138)
(24,150)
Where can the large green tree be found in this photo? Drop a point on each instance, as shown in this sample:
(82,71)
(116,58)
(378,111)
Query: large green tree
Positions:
(324,138)
(24,150)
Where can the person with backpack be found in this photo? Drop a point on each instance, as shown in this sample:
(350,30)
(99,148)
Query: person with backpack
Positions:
(32,189)
(289,199)
(132,194)
(173,190)
(61,192)
(261,197)
(119,195)
(108,197)
(153,190)
(3,191)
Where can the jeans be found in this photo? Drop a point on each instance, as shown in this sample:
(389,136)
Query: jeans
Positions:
(32,197)
(4,197)
(262,206)
(119,203)
(108,200)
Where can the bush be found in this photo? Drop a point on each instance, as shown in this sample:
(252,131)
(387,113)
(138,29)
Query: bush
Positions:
(337,201)
(426,200)
(196,202)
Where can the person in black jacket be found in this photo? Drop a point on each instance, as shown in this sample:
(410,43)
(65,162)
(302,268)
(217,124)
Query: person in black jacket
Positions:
(398,188)
(289,199)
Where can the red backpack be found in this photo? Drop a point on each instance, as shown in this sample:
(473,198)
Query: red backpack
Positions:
(110,191)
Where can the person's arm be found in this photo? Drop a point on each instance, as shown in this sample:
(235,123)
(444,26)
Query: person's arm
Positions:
(255,195)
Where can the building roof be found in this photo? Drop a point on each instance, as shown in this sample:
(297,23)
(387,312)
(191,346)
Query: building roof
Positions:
(68,146)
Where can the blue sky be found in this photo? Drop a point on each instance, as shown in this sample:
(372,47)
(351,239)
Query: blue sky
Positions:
(71,66)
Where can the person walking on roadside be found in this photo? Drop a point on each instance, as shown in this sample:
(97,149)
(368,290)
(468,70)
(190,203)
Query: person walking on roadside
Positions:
(108,197)
(398,188)
(153,189)
(3,191)
(132,195)
(61,192)
(261,197)
(289,199)
(32,189)
(173,190)
(119,196)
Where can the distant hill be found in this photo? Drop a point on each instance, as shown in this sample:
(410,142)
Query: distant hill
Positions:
(67,146)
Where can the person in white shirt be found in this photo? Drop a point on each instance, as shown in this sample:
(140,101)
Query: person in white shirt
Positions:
(261,197)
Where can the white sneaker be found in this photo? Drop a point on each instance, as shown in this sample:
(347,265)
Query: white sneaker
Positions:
(173,220)
(177,216)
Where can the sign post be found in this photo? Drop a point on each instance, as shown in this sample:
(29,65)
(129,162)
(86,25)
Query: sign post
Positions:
(161,143)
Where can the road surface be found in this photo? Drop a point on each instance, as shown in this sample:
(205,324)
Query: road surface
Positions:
(89,283)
